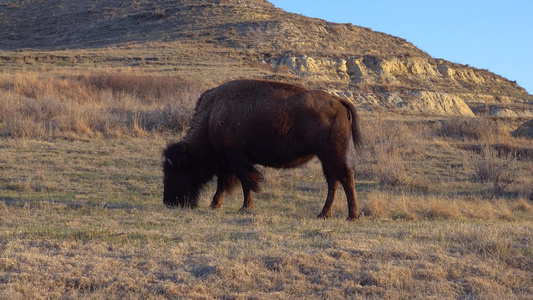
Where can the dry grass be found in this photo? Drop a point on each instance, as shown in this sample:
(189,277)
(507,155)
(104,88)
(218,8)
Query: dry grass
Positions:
(499,161)
(387,144)
(84,219)
(35,105)
(387,205)
(81,214)
(482,128)
(412,155)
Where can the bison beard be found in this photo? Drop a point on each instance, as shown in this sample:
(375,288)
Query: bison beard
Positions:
(247,122)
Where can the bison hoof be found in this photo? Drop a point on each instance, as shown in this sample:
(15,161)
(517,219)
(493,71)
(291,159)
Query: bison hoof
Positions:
(246,210)
(324,216)
(215,206)
(352,219)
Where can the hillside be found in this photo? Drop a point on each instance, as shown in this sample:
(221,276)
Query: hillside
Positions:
(217,40)
(231,23)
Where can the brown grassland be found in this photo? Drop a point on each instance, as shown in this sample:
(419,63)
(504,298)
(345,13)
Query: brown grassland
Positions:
(446,203)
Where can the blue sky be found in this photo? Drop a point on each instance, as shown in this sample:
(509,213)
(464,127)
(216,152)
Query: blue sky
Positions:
(490,34)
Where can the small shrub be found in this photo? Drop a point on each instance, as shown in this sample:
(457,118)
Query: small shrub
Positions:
(376,205)
(385,145)
(495,169)
(523,204)
(175,117)
(525,189)
(159,13)
(467,128)
(440,209)
(337,28)
(391,169)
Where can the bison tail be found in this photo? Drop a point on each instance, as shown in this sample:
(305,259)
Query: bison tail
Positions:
(352,115)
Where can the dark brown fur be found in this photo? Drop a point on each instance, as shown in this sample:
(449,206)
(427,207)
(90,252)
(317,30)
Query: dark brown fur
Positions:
(244,123)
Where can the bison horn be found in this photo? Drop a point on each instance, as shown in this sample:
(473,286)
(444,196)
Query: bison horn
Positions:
(170,162)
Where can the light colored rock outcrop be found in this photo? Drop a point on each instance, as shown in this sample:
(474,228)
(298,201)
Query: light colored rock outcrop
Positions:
(371,68)
(439,103)
(323,69)
(403,83)
(419,102)
(489,99)
(300,65)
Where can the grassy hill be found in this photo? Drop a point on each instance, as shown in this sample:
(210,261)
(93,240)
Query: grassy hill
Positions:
(220,40)
(234,24)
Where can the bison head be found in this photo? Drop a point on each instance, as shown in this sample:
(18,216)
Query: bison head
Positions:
(179,178)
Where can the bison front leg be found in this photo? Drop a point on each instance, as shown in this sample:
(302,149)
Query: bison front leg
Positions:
(225,184)
(218,198)
(248,203)
(348,184)
(248,175)
(250,182)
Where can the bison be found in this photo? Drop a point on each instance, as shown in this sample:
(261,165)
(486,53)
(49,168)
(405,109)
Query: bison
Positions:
(244,123)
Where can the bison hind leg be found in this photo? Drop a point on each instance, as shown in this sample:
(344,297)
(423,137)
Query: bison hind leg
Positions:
(336,170)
